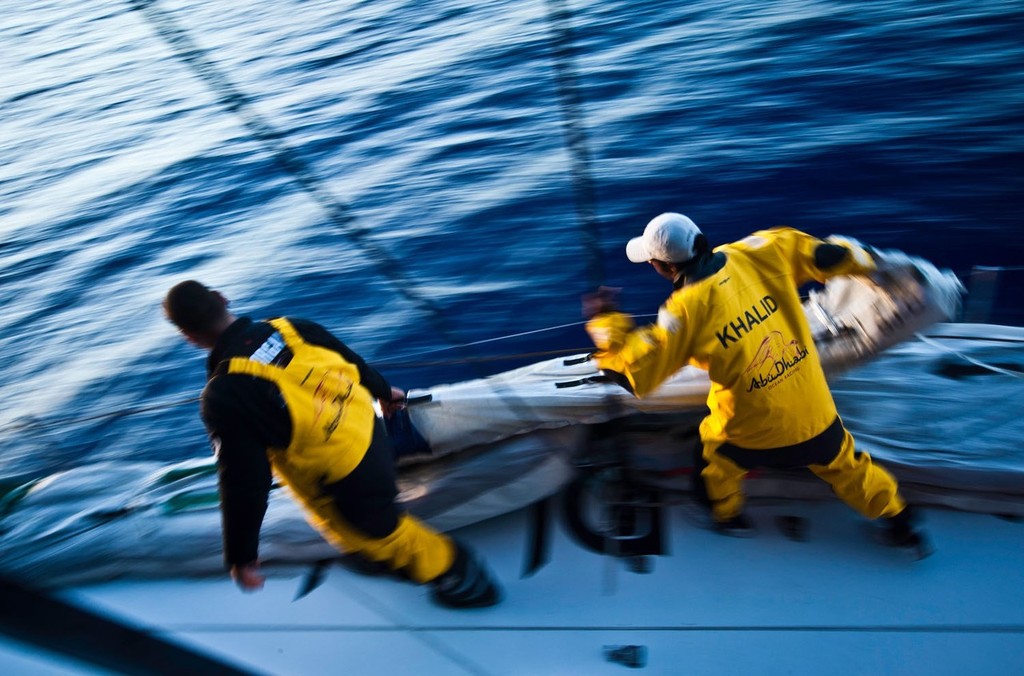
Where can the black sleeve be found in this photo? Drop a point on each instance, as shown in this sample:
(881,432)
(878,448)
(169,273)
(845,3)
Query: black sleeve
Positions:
(243,468)
(828,256)
(372,380)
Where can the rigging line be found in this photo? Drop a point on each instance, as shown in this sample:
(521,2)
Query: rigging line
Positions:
(273,140)
(570,101)
(235,100)
(486,340)
(497,357)
(562,43)
(499,338)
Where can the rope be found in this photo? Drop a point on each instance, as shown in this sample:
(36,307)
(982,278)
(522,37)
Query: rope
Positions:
(500,357)
(492,340)
(485,340)
(562,43)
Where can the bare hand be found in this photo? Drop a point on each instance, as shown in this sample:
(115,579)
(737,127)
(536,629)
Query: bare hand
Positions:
(248,577)
(605,299)
(397,402)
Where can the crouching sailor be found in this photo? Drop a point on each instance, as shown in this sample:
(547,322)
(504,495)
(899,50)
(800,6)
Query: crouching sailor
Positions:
(736,313)
(286,397)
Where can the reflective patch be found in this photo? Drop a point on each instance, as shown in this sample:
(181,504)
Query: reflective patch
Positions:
(270,348)
(862,257)
(600,336)
(669,321)
(754,241)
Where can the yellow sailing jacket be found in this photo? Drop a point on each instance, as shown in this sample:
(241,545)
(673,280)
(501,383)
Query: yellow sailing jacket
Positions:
(744,325)
(332,414)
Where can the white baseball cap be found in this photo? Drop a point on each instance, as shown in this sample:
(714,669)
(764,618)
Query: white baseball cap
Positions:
(669,237)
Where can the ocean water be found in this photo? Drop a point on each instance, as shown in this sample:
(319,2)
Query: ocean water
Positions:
(419,176)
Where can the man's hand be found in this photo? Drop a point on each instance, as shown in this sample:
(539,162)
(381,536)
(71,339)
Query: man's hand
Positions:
(397,402)
(248,577)
(605,299)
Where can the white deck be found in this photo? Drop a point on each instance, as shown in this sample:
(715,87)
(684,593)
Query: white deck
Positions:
(836,604)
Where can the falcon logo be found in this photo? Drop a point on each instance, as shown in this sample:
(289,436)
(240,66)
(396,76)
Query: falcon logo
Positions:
(775,358)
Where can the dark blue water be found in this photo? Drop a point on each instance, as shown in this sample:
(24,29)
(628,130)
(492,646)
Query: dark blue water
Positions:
(420,175)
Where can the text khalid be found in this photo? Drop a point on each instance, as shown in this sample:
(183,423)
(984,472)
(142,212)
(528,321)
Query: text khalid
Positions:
(733,331)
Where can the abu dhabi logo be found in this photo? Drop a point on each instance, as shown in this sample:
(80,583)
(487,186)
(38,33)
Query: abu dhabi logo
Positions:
(332,392)
(775,359)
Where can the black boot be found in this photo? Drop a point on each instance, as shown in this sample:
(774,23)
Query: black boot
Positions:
(467,584)
(903,531)
(738,527)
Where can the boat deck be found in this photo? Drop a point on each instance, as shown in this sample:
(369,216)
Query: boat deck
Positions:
(837,603)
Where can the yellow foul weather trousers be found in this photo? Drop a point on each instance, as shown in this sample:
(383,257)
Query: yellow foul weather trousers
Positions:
(855,479)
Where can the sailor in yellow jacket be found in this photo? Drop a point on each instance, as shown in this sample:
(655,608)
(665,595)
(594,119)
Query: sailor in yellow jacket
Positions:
(736,313)
(286,397)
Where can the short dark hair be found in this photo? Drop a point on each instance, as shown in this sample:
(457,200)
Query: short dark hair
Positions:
(192,306)
(700,245)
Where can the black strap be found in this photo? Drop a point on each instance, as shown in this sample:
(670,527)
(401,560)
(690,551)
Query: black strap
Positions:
(313,577)
(589,380)
(34,617)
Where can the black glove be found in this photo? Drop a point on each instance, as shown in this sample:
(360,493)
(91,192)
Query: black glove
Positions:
(605,299)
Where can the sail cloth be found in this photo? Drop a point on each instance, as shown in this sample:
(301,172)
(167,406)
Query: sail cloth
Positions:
(944,413)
